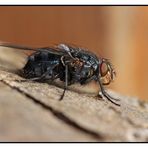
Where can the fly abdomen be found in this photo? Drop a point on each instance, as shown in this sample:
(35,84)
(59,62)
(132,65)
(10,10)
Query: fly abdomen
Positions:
(40,63)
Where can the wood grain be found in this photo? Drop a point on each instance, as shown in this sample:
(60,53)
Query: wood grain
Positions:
(31,111)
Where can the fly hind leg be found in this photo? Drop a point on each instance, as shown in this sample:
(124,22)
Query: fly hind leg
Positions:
(48,75)
(66,82)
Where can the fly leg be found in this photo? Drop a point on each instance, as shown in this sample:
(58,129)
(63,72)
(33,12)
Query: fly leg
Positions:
(85,81)
(66,82)
(41,78)
(48,75)
(107,96)
(28,80)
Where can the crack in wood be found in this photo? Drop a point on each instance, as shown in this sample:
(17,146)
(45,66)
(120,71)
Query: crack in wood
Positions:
(58,114)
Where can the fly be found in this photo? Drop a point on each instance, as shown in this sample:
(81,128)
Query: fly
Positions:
(69,64)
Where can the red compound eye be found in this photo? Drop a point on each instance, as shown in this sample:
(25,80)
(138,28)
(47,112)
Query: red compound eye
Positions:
(104,69)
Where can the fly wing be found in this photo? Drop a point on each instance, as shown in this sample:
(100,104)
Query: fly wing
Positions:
(52,49)
(12,57)
(9,45)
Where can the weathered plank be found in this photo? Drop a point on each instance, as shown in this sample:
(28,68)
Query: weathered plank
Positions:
(23,120)
(99,119)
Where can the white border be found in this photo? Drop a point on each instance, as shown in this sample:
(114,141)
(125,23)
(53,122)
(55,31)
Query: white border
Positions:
(89,145)
(74,2)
